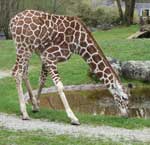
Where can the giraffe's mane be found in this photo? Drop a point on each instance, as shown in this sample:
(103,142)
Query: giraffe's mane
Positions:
(99,49)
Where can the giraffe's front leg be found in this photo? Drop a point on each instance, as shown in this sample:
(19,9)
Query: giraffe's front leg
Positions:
(74,119)
(17,74)
(52,68)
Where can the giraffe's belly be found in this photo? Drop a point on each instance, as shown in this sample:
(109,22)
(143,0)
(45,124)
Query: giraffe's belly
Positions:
(57,54)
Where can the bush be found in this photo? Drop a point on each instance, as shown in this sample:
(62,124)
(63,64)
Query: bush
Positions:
(98,17)
(85,13)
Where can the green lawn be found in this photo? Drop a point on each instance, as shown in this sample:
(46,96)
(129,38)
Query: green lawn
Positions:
(115,44)
(42,138)
(75,71)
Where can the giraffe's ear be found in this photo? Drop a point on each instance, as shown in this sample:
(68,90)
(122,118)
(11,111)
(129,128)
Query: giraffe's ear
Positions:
(130,86)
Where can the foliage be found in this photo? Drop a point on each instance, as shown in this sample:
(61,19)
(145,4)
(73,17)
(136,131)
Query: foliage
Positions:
(128,15)
(7,10)
(99,16)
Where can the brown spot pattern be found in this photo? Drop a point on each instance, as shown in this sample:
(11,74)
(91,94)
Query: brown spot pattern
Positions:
(92,66)
(33,26)
(61,28)
(107,71)
(96,58)
(27,20)
(65,52)
(64,45)
(59,39)
(52,49)
(86,56)
(69,31)
(69,38)
(99,74)
(66,23)
(18,30)
(101,66)
(91,49)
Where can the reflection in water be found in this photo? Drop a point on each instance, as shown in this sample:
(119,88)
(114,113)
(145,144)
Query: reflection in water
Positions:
(101,102)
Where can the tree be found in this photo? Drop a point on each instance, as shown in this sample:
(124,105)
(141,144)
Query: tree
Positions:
(65,6)
(127,16)
(129,11)
(7,10)
(120,9)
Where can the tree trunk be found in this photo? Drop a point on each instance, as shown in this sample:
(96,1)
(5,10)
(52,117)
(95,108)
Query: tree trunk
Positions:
(120,10)
(129,11)
(132,10)
(7,9)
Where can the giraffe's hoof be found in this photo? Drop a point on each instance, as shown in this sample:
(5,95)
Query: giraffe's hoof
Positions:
(35,109)
(75,122)
(25,118)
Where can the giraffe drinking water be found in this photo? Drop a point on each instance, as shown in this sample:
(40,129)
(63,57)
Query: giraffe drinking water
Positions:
(54,38)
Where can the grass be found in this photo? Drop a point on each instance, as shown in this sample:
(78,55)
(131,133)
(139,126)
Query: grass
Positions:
(115,44)
(42,138)
(60,116)
(75,71)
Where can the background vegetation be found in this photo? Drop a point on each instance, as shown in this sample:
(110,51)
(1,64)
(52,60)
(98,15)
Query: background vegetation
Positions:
(93,17)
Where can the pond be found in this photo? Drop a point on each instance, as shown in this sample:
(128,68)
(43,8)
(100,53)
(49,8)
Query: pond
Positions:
(100,101)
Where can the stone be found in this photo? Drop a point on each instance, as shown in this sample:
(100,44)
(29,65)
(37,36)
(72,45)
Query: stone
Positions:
(116,64)
(143,33)
(138,70)
(145,28)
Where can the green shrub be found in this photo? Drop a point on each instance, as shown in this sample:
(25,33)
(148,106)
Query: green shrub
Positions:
(99,16)
(84,11)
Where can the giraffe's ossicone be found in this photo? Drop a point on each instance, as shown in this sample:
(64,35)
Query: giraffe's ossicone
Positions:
(54,38)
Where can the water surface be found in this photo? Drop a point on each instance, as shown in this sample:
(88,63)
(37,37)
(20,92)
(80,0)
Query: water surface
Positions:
(100,101)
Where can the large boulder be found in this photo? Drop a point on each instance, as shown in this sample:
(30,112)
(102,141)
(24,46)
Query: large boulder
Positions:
(139,70)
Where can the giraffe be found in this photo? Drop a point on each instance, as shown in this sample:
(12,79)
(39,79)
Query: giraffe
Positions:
(54,38)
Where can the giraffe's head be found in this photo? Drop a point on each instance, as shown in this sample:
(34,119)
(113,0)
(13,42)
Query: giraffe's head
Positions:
(121,95)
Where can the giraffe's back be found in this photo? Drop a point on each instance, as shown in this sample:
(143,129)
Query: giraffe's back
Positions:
(30,28)
(38,29)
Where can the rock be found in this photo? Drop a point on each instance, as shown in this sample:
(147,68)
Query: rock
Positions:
(116,64)
(139,34)
(145,28)
(138,70)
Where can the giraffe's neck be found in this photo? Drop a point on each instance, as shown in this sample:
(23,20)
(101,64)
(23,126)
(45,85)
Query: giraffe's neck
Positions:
(89,50)
(98,65)
(93,55)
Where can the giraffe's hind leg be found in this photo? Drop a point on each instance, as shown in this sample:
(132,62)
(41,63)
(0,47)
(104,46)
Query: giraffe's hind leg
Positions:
(52,69)
(33,100)
(42,79)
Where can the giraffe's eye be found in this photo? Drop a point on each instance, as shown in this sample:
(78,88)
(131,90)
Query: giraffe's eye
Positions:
(125,98)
